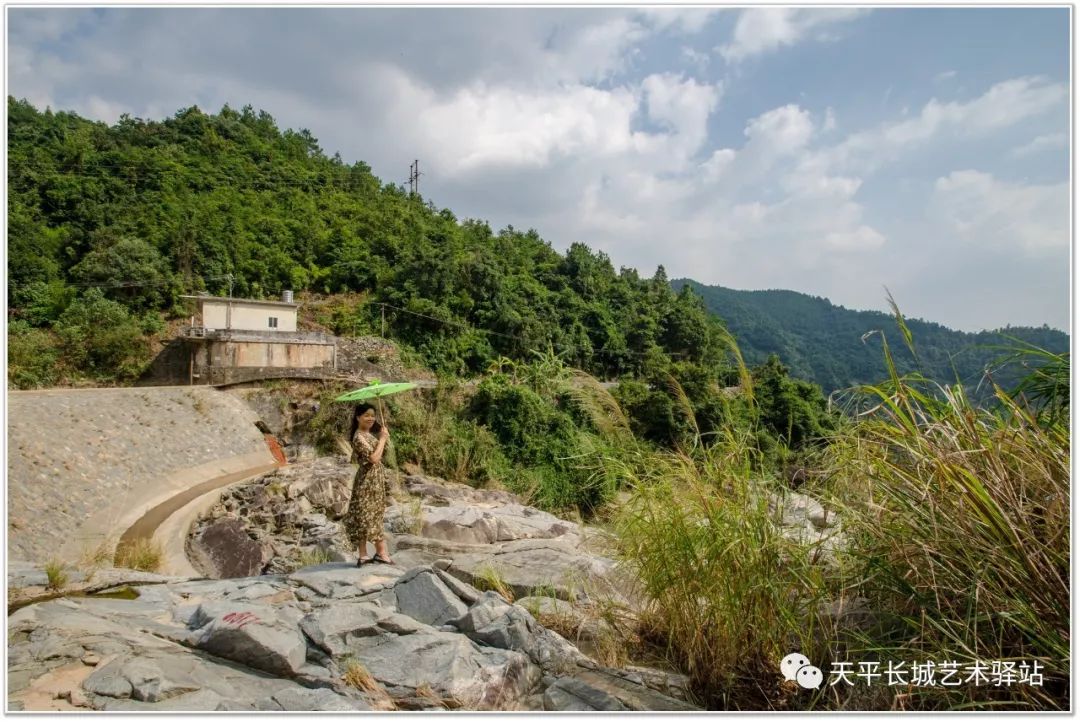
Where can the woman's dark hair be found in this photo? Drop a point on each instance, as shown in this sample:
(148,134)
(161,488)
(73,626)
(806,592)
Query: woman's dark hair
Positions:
(357,412)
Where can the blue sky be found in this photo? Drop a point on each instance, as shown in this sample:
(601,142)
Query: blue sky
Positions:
(832,151)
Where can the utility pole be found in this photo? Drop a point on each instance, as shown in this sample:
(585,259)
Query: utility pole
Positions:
(383,320)
(228,306)
(414,178)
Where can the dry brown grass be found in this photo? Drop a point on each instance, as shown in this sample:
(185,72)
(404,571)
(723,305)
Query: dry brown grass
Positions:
(357,676)
(424,691)
(94,556)
(488,578)
(143,554)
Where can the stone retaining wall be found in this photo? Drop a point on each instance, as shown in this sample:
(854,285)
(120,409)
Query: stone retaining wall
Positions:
(84,464)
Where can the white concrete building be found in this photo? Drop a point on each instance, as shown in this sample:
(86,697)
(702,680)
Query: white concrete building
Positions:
(231,340)
(245,314)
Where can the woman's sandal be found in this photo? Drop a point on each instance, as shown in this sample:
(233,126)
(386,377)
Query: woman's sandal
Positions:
(361,561)
(377,559)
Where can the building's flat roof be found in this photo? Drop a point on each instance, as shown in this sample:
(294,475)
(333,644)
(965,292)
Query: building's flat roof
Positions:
(219,299)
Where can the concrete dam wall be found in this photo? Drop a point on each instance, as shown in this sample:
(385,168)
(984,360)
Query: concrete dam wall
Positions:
(85,464)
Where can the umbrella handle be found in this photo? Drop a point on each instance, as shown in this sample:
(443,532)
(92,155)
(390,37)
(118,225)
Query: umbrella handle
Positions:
(382,420)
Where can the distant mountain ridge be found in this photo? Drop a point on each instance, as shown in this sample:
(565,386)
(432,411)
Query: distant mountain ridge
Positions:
(824,343)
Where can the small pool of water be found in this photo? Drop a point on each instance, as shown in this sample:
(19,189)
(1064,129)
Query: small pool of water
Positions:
(121,593)
(125,592)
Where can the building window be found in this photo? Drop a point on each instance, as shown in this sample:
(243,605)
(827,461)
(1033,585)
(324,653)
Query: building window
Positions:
(273,322)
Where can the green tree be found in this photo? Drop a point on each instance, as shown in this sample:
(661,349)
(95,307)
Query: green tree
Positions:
(129,270)
(100,336)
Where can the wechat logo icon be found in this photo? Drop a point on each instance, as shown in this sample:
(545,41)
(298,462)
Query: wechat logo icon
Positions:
(797,668)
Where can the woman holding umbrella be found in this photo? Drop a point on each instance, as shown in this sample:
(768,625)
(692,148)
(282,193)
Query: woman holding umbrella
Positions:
(367,505)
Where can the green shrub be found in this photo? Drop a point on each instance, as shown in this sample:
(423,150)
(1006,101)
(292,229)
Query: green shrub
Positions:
(116,261)
(41,303)
(556,463)
(529,428)
(101,339)
(429,429)
(329,427)
(33,356)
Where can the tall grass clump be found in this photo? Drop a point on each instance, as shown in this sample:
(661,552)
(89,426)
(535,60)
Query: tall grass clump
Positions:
(56,575)
(141,554)
(724,593)
(959,517)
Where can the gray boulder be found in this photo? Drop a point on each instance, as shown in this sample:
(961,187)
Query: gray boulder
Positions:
(448,665)
(425,598)
(252,635)
(341,580)
(570,694)
(330,495)
(149,683)
(108,681)
(332,626)
(203,700)
(465,592)
(597,690)
(493,622)
(299,699)
(526,565)
(225,548)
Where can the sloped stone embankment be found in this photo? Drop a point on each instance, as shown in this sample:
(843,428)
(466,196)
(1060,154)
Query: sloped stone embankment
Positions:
(84,464)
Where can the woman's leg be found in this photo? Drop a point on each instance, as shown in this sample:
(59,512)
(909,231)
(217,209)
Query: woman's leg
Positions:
(360,554)
(381,550)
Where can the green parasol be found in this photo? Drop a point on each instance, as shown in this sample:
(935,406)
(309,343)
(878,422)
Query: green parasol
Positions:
(376,390)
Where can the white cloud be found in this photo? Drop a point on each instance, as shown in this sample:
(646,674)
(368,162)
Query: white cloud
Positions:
(763,30)
(784,129)
(683,20)
(694,57)
(684,105)
(944,75)
(863,238)
(718,163)
(829,124)
(1003,105)
(994,215)
(481,126)
(593,51)
(1040,144)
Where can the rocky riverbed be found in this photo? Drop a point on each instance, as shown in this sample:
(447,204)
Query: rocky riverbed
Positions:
(491,605)
(269,630)
(291,517)
(328,637)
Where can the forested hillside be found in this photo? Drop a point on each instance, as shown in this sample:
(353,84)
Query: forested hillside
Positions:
(118,221)
(824,343)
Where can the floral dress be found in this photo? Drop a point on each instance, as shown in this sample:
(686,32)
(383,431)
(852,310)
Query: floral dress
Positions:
(364,518)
